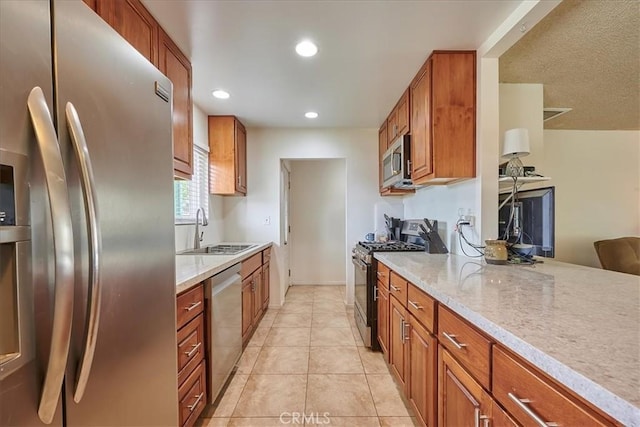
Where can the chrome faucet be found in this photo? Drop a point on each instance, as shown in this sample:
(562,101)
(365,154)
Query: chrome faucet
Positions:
(199,235)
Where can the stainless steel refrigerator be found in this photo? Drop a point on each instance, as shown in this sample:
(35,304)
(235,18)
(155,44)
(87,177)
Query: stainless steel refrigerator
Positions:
(87,270)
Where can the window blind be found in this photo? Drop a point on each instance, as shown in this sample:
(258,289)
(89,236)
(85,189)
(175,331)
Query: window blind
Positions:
(194,194)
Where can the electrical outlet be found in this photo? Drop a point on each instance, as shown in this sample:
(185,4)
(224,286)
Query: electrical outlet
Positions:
(471,219)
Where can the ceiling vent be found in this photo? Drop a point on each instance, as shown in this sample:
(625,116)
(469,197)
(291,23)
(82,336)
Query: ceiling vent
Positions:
(551,112)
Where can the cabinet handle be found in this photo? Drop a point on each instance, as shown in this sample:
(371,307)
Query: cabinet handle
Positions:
(407,336)
(451,338)
(402,330)
(393,288)
(522,404)
(380,274)
(198,399)
(375,293)
(239,181)
(479,417)
(414,305)
(192,306)
(193,350)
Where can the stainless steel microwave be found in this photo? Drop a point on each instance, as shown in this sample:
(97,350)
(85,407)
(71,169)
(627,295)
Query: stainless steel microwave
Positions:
(396,164)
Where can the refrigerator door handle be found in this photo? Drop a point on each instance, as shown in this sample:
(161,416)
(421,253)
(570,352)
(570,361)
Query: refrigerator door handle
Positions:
(95,248)
(62,231)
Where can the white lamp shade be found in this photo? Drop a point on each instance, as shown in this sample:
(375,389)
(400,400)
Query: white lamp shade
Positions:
(516,143)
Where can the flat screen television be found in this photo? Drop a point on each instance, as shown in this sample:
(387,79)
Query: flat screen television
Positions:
(533,221)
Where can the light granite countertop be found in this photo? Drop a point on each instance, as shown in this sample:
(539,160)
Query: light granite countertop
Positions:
(192,269)
(578,324)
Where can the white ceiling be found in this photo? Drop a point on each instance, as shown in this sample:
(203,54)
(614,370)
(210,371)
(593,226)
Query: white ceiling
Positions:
(368,53)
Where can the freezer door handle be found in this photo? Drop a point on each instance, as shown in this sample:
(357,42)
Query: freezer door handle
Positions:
(62,231)
(95,249)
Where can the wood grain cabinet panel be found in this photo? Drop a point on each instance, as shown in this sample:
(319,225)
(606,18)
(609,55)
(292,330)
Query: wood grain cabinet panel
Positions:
(443,118)
(398,288)
(397,340)
(227,156)
(192,395)
(256,284)
(191,347)
(266,281)
(527,394)
(133,22)
(176,66)
(383,274)
(421,390)
(247,308)
(189,305)
(422,307)
(383,319)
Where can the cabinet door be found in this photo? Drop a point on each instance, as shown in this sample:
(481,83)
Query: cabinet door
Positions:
(392,127)
(397,340)
(256,285)
(92,4)
(265,286)
(383,320)
(247,307)
(382,147)
(421,380)
(461,400)
(402,114)
(241,158)
(177,68)
(421,142)
(133,22)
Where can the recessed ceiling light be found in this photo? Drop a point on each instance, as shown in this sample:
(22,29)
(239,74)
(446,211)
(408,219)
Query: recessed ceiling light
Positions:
(306,48)
(311,115)
(221,94)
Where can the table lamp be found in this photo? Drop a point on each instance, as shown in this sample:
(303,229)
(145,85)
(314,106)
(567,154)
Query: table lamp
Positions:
(516,145)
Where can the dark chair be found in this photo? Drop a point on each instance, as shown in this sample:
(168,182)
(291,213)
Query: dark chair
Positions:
(622,254)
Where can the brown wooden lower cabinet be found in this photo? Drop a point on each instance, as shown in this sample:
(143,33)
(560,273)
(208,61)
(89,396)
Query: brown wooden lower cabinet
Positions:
(421,380)
(247,308)
(397,341)
(265,286)
(255,291)
(256,286)
(383,319)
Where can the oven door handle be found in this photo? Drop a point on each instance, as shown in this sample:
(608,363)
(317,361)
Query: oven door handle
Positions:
(361,265)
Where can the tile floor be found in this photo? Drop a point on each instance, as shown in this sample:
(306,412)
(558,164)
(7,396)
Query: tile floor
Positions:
(308,359)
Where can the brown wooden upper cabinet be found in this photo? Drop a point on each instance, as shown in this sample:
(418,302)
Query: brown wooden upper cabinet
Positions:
(176,66)
(398,122)
(443,118)
(227,156)
(136,25)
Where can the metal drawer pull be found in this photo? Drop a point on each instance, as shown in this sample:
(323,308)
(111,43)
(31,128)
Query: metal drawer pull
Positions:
(404,325)
(522,404)
(375,293)
(193,305)
(198,399)
(415,305)
(451,338)
(394,288)
(193,350)
(380,274)
(402,338)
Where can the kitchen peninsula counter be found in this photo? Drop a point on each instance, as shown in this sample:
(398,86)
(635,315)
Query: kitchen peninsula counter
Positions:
(579,325)
(193,269)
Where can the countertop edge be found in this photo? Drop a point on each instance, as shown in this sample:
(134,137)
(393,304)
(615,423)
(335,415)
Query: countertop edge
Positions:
(192,281)
(589,390)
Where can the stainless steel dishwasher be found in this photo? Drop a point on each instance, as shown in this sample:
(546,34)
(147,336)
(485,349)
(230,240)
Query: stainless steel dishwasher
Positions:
(224,311)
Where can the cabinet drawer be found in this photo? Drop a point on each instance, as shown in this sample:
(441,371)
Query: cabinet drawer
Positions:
(266,255)
(398,288)
(189,305)
(192,396)
(383,275)
(190,347)
(466,344)
(526,394)
(250,265)
(422,306)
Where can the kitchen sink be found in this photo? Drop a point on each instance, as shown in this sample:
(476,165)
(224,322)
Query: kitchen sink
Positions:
(219,250)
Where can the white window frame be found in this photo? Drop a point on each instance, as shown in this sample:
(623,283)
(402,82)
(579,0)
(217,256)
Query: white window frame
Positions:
(195,192)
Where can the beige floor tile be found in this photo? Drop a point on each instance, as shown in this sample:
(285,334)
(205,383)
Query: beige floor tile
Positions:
(267,319)
(332,337)
(329,299)
(231,395)
(257,340)
(259,422)
(343,421)
(339,395)
(398,422)
(294,289)
(247,360)
(334,360)
(328,307)
(292,320)
(386,396)
(295,307)
(357,337)
(282,360)
(373,361)
(271,395)
(288,337)
(329,320)
(299,297)
(212,422)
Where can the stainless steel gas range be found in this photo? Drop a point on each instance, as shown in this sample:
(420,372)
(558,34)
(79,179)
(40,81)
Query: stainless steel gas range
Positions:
(366,310)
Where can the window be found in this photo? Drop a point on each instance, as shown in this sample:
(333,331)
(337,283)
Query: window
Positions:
(194,194)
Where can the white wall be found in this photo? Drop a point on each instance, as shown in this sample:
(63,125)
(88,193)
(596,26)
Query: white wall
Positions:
(244,216)
(318,221)
(597,196)
(213,233)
